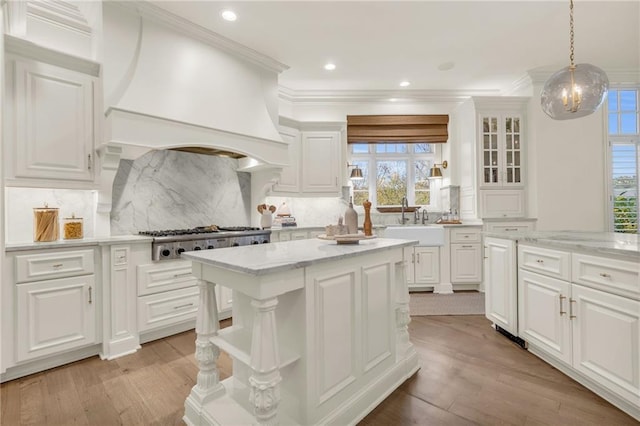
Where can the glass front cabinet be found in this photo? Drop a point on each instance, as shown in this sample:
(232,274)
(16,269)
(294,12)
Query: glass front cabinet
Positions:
(501,150)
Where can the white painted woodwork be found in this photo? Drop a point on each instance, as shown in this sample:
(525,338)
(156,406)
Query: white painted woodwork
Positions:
(501,156)
(289,180)
(320,344)
(465,235)
(466,263)
(54,132)
(164,276)
(502,203)
(505,226)
(615,276)
(55,264)
(54,316)
(553,263)
(606,340)
(500,281)
(320,162)
(427,265)
(543,314)
(167,308)
(224,297)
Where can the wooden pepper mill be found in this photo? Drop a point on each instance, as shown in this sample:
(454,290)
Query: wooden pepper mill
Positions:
(367,218)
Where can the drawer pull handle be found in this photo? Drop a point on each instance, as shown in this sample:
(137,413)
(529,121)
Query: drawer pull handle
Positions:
(467,246)
(417,257)
(90,299)
(121,259)
(571,316)
(510,229)
(466,236)
(57,265)
(561,311)
(413,258)
(186,274)
(539,260)
(183,306)
(604,275)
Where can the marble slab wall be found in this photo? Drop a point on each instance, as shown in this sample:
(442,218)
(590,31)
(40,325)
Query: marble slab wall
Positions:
(176,190)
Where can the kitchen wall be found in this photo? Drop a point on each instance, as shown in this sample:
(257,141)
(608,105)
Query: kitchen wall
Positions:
(175,190)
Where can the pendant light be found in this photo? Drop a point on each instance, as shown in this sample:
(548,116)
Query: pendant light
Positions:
(574,91)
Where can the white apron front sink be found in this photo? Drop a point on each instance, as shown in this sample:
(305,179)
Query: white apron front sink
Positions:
(428,235)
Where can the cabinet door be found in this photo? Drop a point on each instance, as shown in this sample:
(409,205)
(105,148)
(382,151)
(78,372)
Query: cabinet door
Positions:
(410,259)
(543,319)
(606,340)
(489,150)
(501,155)
(502,203)
(511,173)
(466,263)
(54,123)
(224,296)
(500,283)
(290,176)
(54,316)
(427,265)
(320,158)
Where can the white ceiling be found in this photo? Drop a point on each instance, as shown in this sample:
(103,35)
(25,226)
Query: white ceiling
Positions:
(377,44)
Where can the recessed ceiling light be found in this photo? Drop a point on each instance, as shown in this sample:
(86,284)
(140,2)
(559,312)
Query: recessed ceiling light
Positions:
(446,66)
(228,15)
(404,83)
(330,66)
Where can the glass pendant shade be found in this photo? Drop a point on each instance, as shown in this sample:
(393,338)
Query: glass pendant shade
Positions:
(574,92)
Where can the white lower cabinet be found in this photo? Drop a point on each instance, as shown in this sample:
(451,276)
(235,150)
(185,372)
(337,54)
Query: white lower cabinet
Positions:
(590,331)
(423,268)
(54,316)
(500,281)
(466,263)
(167,308)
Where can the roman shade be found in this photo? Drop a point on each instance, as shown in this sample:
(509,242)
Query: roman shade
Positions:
(397,128)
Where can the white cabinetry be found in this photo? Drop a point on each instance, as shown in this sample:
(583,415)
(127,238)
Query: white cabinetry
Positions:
(500,282)
(51,125)
(315,159)
(466,255)
(501,156)
(510,226)
(594,332)
(423,267)
(55,299)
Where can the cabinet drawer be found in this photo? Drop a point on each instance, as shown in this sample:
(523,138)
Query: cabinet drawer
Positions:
(164,276)
(44,266)
(553,263)
(168,308)
(465,235)
(611,275)
(510,227)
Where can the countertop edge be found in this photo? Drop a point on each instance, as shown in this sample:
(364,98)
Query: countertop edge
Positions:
(84,242)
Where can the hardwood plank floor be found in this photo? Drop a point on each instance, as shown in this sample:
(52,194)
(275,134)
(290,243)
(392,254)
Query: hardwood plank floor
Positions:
(470,375)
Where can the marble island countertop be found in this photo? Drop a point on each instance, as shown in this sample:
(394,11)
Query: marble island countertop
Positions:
(276,257)
(606,243)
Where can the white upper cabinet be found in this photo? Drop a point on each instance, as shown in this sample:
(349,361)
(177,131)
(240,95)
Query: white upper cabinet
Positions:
(501,154)
(290,176)
(51,129)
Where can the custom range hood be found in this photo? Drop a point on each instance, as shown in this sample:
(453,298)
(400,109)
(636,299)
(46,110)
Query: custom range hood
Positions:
(169,84)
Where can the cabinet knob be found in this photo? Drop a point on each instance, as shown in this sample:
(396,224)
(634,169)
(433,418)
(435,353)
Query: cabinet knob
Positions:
(539,261)
(57,265)
(604,275)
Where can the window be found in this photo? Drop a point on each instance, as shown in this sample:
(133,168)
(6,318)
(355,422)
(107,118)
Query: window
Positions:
(392,171)
(624,142)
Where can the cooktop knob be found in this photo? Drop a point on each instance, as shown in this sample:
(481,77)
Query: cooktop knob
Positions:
(198,248)
(181,250)
(235,244)
(255,242)
(166,252)
(210,247)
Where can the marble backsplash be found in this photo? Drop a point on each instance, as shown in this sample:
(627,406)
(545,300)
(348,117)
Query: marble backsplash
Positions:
(176,190)
(20,202)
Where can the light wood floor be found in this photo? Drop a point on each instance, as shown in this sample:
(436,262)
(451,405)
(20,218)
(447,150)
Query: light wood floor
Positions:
(470,375)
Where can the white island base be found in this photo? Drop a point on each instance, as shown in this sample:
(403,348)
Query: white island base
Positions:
(319,332)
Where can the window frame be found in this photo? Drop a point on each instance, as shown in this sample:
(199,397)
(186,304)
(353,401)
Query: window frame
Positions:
(619,139)
(372,157)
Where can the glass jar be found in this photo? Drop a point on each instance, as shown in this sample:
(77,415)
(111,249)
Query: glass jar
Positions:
(45,224)
(72,227)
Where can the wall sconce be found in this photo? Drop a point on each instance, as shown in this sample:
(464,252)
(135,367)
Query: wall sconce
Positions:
(435,172)
(356,173)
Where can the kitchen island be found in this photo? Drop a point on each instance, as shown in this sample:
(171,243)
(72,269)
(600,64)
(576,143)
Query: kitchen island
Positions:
(319,332)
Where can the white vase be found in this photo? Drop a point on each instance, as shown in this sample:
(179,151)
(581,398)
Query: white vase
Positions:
(266,219)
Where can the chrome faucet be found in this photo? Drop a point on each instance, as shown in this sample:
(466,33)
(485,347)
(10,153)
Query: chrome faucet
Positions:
(403,205)
(425,216)
(416,215)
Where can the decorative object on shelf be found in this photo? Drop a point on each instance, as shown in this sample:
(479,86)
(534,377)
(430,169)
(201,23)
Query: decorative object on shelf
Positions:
(347,238)
(574,91)
(368,228)
(45,224)
(356,173)
(72,227)
(435,172)
(267,215)
(351,218)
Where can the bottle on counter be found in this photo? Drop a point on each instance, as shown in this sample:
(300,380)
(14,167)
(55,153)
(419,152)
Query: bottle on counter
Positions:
(351,218)
(368,228)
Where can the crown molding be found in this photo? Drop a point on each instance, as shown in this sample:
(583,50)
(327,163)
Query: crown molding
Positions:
(60,13)
(28,49)
(311,125)
(383,96)
(156,14)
